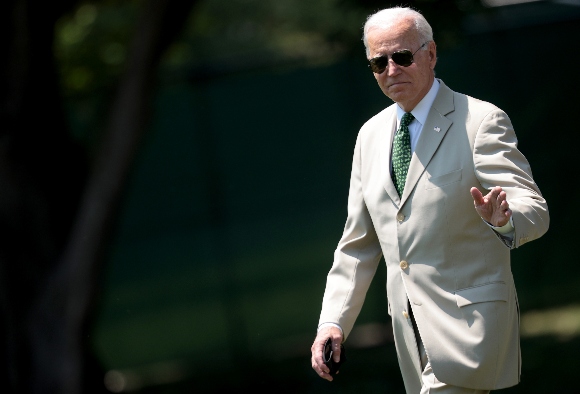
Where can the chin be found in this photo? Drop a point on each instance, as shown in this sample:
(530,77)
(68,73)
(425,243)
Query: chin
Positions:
(398,97)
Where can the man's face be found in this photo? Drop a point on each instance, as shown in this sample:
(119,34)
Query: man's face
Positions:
(404,85)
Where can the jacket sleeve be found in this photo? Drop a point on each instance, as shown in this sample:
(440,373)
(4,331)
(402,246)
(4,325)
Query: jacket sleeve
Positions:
(498,162)
(355,259)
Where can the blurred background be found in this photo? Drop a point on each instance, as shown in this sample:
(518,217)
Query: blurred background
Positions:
(174,176)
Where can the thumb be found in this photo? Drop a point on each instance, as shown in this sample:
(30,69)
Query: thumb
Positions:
(477,196)
(336,351)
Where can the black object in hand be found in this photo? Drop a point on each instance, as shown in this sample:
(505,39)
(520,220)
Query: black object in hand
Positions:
(329,361)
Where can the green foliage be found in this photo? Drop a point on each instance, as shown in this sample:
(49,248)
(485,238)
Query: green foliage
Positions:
(93,40)
(286,29)
(91,45)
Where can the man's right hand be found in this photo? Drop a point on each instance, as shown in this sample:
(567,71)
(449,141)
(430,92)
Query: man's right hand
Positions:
(493,207)
(318,350)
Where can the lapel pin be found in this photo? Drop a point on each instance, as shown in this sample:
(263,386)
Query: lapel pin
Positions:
(437,129)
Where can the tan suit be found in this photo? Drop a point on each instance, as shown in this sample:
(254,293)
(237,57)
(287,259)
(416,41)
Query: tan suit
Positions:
(441,257)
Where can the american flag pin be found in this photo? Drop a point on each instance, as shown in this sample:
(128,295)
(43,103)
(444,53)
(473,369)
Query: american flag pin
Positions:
(437,129)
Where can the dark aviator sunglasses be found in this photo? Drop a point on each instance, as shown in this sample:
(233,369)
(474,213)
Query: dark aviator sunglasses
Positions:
(404,58)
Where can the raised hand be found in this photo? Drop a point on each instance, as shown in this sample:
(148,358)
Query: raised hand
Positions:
(493,207)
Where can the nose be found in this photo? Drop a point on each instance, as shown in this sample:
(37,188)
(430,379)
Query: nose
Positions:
(392,68)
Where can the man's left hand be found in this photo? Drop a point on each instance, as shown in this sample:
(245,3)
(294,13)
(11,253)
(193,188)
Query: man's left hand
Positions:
(493,207)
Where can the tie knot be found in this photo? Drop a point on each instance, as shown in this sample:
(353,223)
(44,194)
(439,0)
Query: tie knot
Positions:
(407,119)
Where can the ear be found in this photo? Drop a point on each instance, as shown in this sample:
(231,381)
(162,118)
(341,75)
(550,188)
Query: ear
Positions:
(432,54)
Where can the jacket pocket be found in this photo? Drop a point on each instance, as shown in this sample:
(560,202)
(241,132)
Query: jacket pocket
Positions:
(494,291)
(442,180)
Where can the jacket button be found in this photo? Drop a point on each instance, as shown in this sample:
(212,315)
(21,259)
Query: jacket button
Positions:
(400,217)
(405,314)
(404,265)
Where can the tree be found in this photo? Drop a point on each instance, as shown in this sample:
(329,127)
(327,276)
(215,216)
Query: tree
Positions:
(55,214)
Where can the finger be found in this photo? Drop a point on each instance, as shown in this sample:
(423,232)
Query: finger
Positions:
(494,194)
(336,349)
(504,205)
(318,364)
(321,369)
(318,361)
(321,373)
(503,202)
(318,354)
(326,376)
(477,196)
(501,198)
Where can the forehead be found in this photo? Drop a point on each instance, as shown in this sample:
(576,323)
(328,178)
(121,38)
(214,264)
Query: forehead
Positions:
(400,35)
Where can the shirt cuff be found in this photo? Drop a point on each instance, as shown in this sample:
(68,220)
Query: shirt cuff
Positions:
(324,325)
(506,230)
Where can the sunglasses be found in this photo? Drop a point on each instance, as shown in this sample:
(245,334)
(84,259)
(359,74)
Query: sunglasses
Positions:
(404,58)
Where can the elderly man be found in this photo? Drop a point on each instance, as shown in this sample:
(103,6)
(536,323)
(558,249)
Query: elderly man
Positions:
(439,188)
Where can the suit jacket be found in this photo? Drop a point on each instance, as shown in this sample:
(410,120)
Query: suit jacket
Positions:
(442,259)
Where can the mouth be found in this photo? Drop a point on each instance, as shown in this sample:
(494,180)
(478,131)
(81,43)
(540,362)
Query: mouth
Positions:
(396,84)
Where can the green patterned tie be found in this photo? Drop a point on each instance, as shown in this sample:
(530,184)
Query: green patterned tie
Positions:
(402,153)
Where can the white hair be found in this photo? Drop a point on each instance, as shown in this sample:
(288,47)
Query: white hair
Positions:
(385,19)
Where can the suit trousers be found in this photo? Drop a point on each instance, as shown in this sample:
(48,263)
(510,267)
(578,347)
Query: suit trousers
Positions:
(430,384)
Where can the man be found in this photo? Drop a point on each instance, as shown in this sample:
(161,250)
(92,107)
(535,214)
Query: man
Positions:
(440,189)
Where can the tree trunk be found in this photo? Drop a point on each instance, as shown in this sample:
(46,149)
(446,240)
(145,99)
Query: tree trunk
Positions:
(53,237)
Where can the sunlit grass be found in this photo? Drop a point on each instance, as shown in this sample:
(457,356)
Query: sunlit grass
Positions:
(563,322)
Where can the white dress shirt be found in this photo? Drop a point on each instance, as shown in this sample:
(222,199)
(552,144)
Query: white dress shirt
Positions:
(420,112)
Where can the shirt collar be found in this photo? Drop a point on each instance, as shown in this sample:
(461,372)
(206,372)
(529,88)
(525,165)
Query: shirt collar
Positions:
(421,110)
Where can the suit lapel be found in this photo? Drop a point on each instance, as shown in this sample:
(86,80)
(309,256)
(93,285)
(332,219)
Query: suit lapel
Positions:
(434,130)
(385,153)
